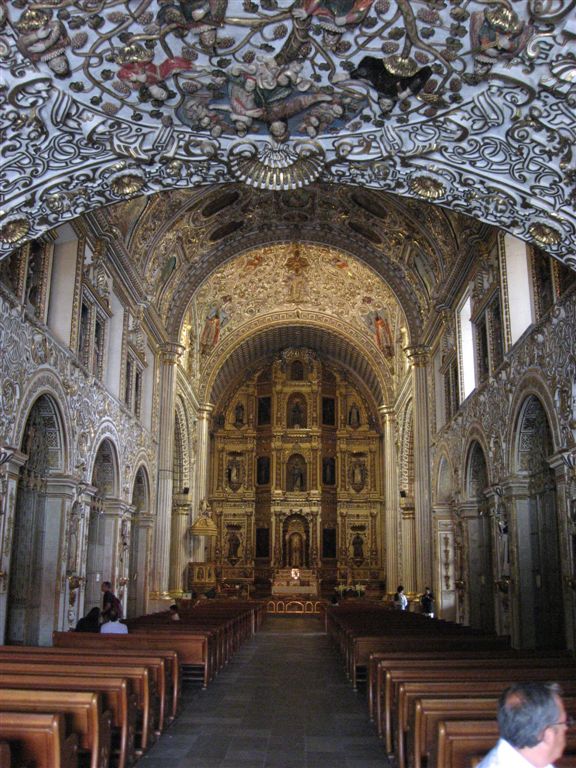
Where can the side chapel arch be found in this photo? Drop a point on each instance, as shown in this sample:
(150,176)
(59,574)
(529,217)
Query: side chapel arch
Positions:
(537,529)
(140,544)
(477,547)
(100,557)
(35,542)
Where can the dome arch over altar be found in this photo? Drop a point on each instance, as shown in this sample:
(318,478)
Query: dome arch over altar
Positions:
(294,295)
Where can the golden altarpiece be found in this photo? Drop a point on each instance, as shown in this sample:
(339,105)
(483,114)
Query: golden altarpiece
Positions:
(294,479)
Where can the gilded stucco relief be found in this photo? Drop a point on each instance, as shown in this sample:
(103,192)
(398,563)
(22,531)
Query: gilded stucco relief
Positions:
(290,277)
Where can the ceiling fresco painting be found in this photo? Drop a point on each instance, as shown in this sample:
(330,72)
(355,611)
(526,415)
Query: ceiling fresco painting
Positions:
(466,104)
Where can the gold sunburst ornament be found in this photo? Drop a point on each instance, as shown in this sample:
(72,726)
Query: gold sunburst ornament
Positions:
(127,183)
(427,187)
(544,233)
(13,230)
(277,167)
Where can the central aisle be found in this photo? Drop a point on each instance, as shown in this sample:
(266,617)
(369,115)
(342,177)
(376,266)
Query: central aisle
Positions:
(282,702)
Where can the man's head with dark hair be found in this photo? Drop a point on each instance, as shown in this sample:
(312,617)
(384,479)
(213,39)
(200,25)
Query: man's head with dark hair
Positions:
(106,586)
(113,615)
(533,720)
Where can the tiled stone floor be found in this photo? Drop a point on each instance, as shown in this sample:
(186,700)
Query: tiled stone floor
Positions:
(282,702)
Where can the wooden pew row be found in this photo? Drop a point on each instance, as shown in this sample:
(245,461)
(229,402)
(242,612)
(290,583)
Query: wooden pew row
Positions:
(431,711)
(417,652)
(358,633)
(39,739)
(412,692)
(191,647)
(476,678)
(83,715)
(117,698)
(394,670)
(161,674)
(205,644)
(462,741)
(399,721)
(445,649)
(139,677)
(87,642)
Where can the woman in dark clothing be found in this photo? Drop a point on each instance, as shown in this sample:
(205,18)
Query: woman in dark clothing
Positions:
(90,622)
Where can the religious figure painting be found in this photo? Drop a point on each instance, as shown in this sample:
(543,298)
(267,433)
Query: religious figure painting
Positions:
(216,319)
(379,324)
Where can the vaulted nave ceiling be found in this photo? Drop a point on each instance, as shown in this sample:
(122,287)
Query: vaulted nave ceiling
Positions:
(465,104)
(177,240)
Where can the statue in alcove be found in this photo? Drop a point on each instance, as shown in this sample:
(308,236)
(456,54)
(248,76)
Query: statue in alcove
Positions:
(358,547)
(296,480)
(354,416)
(297,414)
(239,415)
(295,550)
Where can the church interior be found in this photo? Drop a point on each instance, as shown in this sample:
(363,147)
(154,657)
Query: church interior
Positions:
(288,310)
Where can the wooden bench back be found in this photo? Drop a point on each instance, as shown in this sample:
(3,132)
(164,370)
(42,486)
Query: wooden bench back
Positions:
(459,741)
(82,711)
(39,739)
(116,696)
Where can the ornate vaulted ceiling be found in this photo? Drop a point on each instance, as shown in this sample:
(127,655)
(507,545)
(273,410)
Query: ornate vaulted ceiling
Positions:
(468,105)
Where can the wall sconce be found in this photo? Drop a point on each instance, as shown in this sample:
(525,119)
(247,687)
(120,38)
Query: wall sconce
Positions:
(460,584)
(122,582)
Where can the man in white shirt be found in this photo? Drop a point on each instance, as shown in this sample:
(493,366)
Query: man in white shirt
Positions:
(533,724)
(113,625)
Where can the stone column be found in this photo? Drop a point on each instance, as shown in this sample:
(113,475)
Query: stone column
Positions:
(179,546)
(423,510)
(159,582)
(392,503)
(202,449)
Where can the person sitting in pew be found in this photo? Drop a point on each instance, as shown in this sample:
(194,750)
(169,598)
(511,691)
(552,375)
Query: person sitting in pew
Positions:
(532,721)
(90,622)
(113,625)
(174,615)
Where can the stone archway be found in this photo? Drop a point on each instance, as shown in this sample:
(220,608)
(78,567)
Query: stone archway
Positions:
(141,532)
(100,561)
(35,543)
(480,591)
(538,551)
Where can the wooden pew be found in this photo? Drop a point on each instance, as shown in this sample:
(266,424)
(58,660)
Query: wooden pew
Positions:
(116,694)
(409,693)
(192,648)
(418,668)
(83,715)
(397,715)
(429,712)
(87,642)
(446,649)
(156,664)
(139,676)
(461,740)
(5,759)
(39,739)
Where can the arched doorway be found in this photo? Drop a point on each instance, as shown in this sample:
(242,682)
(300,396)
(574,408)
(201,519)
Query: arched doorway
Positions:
(100,556)
(35,543)
(479,542)
(539,594)
(139,545)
